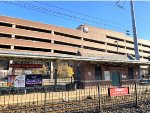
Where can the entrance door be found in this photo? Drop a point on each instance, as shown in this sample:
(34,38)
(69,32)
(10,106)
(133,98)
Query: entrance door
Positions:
(116,80)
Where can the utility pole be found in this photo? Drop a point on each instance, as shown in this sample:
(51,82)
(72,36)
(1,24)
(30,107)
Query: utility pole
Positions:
(136,50)
(137,56)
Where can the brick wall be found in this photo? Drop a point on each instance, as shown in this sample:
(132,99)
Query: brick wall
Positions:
(88,72)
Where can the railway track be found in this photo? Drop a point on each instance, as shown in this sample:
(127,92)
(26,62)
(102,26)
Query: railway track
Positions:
(65,107)
(53,108)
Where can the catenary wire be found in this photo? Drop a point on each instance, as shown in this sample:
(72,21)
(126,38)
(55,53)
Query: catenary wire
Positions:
(81,14)
(36,8)
(72,16)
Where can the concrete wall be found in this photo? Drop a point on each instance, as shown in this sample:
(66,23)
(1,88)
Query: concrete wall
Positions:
(64,40)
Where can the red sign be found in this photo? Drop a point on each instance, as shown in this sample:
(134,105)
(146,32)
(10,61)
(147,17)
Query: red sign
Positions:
(118,91)
(26,65)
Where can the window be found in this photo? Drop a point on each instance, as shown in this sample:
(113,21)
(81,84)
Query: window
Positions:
(4,64)
(98,73)
(130,73)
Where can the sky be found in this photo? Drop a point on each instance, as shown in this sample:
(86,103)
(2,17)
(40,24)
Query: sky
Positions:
(112,15)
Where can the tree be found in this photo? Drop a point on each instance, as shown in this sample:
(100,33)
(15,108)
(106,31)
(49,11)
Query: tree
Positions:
(64,70)
(43,70)
(40,71)
(70,71)
(34,71)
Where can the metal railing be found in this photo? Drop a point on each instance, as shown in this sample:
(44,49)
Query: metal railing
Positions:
(92,96)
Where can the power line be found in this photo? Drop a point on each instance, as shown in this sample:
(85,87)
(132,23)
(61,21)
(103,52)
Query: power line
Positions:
(75,17)
(37,8)
(137,15)
(80,13)
(143,19)
(122,5)
(24,6)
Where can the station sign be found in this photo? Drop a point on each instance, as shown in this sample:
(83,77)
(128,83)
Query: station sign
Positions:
(26,65)
(118,91)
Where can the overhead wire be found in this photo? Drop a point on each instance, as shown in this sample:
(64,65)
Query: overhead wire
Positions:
(74,17)
(34,9)
(82,14)
(53,13)
(121,6)
(137,15)
(143,19)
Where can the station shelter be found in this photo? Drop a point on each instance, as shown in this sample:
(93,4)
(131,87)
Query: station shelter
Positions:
(89,68)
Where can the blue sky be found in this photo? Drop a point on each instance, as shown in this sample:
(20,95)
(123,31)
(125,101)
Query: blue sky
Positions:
(70,14)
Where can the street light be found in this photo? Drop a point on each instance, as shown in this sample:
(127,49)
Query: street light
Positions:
(117,46)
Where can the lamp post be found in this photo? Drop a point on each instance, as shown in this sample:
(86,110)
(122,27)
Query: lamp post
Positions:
(117,46)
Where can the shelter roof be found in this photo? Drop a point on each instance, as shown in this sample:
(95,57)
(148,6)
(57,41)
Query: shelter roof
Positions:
(14,54)
(106,56)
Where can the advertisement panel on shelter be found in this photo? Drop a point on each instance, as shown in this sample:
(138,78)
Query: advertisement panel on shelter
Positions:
(16,81)
(33,80)
(10,80)
(19,81)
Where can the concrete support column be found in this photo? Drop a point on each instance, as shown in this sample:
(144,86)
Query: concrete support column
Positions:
(52,42)
(52,63)
(11,70)
(124,44)
(12,48)
(82,43)
(13,26)
(52,70)
(125,47)
(141,51)
(13,37)
(106,47)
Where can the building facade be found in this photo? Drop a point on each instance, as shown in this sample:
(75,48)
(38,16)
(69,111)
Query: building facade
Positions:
(28,36)
(21,35)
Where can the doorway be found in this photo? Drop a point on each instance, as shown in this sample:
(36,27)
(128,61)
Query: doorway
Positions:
(116,79)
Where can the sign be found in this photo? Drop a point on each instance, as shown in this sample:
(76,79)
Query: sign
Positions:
(26,65)
(118,91)
(10,80)
(124,76)
(19,81)
(107,75)
(33,80)
(16,81)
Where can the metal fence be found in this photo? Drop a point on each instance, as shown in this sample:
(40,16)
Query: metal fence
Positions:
(70,98)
